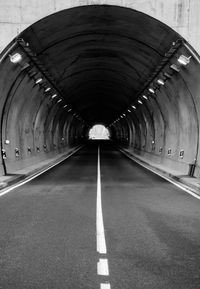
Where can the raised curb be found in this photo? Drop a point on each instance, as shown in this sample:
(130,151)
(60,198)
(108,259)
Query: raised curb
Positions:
(192,187)
(21,177)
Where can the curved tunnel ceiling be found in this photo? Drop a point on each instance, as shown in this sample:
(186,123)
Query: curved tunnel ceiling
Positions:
(100,56)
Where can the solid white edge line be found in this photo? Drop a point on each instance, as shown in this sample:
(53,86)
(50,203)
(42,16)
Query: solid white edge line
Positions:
(160,175)
(102,267)
(28,179)
(101,242)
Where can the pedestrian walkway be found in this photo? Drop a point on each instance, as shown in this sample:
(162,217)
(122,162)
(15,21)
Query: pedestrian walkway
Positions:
(190,182)
(30,171)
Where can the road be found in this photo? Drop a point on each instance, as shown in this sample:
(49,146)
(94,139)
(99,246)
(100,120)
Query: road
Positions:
(49,231)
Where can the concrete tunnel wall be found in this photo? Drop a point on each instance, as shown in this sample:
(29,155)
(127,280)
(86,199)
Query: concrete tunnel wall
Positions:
(159,129)
(35,125)
(168,122)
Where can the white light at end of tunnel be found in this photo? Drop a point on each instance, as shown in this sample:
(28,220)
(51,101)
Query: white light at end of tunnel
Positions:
(15,58)
(184,60)
(99,131)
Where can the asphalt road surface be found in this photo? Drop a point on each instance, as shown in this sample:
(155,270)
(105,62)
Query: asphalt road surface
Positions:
(48,228)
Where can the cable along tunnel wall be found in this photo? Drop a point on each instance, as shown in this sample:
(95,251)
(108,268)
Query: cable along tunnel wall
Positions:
(35,125)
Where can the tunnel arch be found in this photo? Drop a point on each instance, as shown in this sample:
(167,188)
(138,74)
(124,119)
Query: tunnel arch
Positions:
(99,61)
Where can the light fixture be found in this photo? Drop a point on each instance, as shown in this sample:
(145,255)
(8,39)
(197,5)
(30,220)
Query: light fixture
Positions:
(174,67)
(65,106)
(38,80)
(151,90)
(15,58)
(69,110)
(133,106)
(129,110)
(184,60)
(59,100)
(139,101)
(47,89)
(167,75)
(7,141)
(54,95)
(144,96)
(124,114)
(160,81)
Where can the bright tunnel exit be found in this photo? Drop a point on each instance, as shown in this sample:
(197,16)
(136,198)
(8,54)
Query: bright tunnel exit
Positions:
(99,131)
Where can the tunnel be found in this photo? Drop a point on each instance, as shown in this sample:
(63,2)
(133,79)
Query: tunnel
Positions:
(100,64)
(99,174)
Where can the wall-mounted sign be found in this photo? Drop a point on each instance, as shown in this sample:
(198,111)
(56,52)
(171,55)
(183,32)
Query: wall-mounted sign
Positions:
(4,154)
(169,152)
(181,154)
(17,152)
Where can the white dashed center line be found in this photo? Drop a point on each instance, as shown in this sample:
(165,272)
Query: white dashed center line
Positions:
(102,264)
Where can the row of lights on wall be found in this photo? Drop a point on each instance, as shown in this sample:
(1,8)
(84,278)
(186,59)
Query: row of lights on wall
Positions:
(40,80)
(157,83)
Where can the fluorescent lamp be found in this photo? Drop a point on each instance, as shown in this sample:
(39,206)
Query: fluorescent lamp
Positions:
(54,95)
(151,90)
(145,97)
(129,110)
(38,80)
(59,100)
(184,60)
(16,58)
(65,106)
(160,81)
(167,75)
(174,67)
(133,106)
(47,89)
(139,101)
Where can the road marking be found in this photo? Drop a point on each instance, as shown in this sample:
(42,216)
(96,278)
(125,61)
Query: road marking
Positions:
(160,175)
(101,242)
(102,264)
(102,267)
(105,286)
(28,179)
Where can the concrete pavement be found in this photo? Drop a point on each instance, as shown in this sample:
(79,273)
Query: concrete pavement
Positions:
(48,228)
